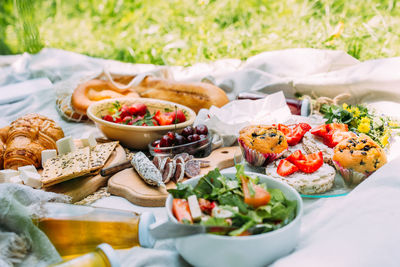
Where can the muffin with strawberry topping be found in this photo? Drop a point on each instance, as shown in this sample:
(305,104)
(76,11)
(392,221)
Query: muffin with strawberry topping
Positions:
(357,158)
(261,144)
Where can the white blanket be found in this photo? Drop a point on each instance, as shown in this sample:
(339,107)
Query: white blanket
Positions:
(357,230)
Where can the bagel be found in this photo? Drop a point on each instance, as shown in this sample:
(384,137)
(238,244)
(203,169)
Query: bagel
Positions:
(95,90)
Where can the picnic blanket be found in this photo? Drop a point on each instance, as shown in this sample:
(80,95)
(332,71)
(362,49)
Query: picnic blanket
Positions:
(356,230)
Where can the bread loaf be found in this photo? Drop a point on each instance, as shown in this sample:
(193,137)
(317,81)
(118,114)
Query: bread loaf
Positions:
(26,139)
(193,95)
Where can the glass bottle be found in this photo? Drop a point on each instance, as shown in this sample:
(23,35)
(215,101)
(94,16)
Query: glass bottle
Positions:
(75,229)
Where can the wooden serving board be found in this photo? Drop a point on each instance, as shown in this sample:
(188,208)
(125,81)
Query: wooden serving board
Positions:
(79,188)
(128,184)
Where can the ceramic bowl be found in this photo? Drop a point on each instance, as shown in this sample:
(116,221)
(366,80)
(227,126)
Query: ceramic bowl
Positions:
(136,137)
(256,250)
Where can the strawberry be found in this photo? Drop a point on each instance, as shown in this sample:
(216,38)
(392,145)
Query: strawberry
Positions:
(124,112)
(180,116)
(108,118)
(138,109)
(286,168)
(294,133)
(163,118)
(295,156)
(127,119)
(311,163)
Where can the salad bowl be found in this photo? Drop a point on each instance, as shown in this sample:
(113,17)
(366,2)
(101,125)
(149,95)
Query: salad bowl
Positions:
(254,250)
(133,136)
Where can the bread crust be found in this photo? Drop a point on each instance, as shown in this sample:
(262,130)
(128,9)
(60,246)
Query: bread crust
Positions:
(193,95)
(95,90)
(27,137)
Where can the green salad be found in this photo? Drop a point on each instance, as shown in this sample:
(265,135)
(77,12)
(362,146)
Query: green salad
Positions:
(242,203)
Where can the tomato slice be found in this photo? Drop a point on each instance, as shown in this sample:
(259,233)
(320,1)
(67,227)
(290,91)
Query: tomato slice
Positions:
(180,209)
(286,168)
(310,163)
(260,197)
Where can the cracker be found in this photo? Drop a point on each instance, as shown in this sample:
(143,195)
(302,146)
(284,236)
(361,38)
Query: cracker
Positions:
(66,167)
(100,154)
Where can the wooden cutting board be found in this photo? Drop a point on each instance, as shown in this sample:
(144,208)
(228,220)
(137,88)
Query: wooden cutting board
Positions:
(128,184)
(80,188)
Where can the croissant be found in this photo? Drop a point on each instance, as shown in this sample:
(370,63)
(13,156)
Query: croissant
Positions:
(26,139)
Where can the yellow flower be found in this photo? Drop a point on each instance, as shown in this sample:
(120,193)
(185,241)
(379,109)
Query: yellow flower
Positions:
(384,140)
(345,106)
(363,127)
(393,124)
(356,112)
(365,120)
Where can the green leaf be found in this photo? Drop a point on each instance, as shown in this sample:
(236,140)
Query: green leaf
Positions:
(244,227)
(181,191)
(205,188)
(213,221)
(232,199)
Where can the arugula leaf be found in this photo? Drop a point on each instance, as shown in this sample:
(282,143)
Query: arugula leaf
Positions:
(232,199)
(208,185)
(181,191)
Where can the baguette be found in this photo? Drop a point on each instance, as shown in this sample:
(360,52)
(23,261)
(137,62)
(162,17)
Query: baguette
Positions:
(193,95)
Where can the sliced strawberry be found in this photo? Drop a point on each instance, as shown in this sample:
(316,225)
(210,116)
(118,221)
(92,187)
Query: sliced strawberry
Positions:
(124,112)
(311,163)
(163,118)
(294,133)
(321,130)
(108,118)
(179,115)
(338,136)
(286,168)
(305,126)
(295,156)
(338,127)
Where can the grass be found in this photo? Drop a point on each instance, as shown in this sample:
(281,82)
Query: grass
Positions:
(183,32)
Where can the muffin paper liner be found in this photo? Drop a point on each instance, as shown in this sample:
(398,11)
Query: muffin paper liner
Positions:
(256,158)
(350,176)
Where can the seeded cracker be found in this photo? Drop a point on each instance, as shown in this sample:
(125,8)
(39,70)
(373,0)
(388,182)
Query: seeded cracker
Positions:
(100,154)
(66,167)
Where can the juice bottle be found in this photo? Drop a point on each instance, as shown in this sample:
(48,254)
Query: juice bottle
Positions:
(103,256)
(75,229)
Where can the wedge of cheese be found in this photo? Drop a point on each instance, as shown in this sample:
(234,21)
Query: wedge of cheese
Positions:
(89,140)
(65,145)
(32,179)
(29,168)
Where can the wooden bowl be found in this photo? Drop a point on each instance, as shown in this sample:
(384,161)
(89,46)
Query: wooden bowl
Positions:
(136,137)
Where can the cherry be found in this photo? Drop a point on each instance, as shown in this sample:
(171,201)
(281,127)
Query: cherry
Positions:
(155,143)
(180,140)
(171,135)
(187,131)
(193,138)
(201,129)
(165,141)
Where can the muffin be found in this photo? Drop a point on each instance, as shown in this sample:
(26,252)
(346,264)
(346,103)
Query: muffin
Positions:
(357,158)
(261,144)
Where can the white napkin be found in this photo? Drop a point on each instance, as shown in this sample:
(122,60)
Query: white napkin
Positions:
(228,120)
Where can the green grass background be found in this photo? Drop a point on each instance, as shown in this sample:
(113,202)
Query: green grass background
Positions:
(183,32)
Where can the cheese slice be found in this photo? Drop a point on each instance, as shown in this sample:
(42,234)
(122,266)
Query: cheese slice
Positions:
(32,179)
(194,208)
(6,175)
(15,180)
(29,168)
(48,154)
(89,140)
(65,145)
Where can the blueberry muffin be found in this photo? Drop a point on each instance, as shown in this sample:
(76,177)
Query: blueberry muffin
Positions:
(357,158)
(261,144)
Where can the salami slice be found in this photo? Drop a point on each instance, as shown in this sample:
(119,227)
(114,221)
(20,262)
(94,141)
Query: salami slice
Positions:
(179,172)
(184,155)
(168,173)
(179,160)
(192,168)
(156,161)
